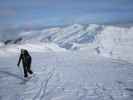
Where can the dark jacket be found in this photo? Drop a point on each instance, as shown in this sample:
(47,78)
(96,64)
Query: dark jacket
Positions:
(26,58)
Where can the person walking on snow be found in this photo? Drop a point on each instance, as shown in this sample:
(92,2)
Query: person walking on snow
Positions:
(26,61)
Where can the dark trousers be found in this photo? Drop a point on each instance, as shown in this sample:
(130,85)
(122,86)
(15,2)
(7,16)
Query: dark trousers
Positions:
(27,68)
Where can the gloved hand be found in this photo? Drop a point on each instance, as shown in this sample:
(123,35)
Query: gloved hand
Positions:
(18,65)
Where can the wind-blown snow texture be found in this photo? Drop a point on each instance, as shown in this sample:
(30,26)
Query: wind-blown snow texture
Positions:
(77,62)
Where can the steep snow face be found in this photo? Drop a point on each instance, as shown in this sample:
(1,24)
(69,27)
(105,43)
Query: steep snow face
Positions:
(116,42)
(65,37)
(71,37)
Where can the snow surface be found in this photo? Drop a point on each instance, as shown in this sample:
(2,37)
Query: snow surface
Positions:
(116,42)
(67,76)
(76,62)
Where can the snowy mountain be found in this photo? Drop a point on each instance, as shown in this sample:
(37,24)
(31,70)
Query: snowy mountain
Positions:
(106,40)
(76,62)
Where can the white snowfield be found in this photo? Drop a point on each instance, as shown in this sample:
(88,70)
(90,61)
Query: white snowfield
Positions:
(36,47)
(77,62)
(116,42)
(67,76)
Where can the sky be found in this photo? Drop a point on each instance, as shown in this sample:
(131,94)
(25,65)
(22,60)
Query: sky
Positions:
(33,13)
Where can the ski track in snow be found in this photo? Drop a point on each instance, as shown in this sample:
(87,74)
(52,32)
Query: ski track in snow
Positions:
(67,76)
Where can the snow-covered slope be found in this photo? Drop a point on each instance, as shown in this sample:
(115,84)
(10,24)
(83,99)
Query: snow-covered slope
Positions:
(67,76)
(70,63)
(36,47)
(106,40)
(116,42)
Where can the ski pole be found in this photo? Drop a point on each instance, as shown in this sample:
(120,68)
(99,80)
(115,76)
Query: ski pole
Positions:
(20,70)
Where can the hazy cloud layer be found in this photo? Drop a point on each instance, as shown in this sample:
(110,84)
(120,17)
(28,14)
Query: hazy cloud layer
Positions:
(20,13)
